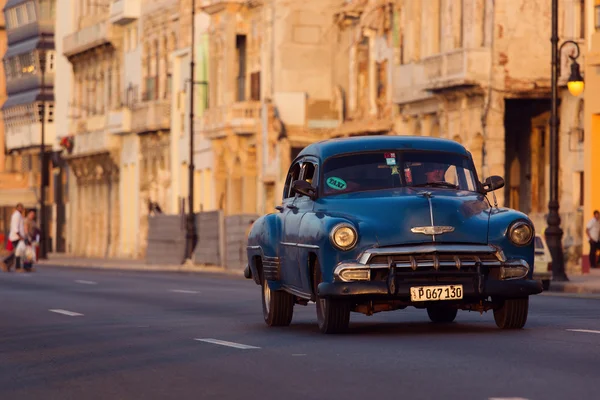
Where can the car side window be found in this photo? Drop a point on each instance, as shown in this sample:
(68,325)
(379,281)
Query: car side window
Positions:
(293,175)
(308,172)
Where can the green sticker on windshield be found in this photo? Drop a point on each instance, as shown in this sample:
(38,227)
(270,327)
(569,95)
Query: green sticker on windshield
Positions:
(336,183)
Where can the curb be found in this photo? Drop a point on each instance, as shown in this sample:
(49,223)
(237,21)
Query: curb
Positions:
(142,267)
(566,287)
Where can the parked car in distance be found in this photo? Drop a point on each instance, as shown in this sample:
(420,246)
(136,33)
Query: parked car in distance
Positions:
(370,224)
(543,262)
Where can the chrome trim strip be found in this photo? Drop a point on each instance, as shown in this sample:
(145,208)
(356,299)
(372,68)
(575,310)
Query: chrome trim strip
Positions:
(426,249)
(253,247)
(305,246)
(308,246)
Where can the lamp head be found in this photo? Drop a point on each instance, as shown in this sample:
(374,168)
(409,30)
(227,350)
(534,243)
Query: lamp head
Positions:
(575,83)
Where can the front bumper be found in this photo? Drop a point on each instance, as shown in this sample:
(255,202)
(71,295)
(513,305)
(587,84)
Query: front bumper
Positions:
(371,290)
(390,272)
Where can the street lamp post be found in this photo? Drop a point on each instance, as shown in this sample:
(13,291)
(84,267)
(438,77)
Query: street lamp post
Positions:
(575,85)
(191,220)
(43,166)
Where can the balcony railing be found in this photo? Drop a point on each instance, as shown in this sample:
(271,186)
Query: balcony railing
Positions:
(93,142)
(457,68)
(243,117)
(151,116)
(119,121)
(87,38)
(124,11)
(28,135)
(409,83)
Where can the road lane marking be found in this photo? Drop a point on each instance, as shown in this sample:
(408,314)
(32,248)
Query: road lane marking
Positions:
(583,330)
(86,282)
(65,312)
(184,291)
(507,398)
(229,344)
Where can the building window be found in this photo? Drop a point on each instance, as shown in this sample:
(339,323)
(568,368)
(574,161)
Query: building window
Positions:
(31,11)
(255,86)
(582,19)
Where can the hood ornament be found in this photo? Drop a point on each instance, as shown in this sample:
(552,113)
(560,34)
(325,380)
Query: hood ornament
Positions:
(432,230)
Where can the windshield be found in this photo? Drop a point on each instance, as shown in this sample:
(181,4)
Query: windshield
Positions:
(393,169)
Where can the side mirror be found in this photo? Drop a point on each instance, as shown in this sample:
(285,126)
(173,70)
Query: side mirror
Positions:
(304,188)
(492,183)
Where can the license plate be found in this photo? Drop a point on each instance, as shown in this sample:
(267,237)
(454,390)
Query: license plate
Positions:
(434,293)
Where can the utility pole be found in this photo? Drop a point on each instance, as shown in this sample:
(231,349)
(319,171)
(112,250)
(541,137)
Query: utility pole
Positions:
(191,220)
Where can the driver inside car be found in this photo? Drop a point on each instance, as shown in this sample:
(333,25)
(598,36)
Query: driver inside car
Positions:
(435,172)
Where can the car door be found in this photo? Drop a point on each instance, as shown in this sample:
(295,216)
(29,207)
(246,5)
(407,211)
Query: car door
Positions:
(305,204)
(301,206)
(288,250)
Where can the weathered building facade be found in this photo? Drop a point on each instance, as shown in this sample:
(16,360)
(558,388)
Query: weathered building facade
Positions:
(28,113)
(478,72)
(271,93)
(93,50)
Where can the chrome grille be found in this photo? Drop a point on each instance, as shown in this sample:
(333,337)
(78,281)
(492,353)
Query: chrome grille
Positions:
(435,261)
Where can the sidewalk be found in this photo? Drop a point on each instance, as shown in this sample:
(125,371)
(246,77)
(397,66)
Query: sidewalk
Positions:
(588,283)
(65,260)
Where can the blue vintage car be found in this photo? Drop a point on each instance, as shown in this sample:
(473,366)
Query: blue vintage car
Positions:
(374,224)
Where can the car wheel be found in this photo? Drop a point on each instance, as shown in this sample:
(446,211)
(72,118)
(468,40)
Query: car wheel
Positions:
(512,314)
(546,285)
(278,306)
(333,315)
(441,315)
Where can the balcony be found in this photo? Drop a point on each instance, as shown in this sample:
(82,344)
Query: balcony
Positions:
(409,84)
(245,116)
(463,67)
(124,11)
(87,38)
(151,116)
(94,142)
(119,121)
(242,118)
(215,6)
(28,135)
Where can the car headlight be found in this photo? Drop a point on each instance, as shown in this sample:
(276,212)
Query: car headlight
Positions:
(521,233)
(343,236)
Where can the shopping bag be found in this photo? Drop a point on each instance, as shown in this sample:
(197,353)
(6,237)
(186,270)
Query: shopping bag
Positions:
(21,248)
(30,256)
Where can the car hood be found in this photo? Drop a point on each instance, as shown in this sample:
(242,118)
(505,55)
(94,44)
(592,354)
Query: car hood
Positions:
(389,215)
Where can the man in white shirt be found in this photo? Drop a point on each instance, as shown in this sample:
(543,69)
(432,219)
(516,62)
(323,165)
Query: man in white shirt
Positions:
(17,233)
(593,232)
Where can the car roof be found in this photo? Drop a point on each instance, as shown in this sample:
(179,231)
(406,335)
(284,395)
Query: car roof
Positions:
(331,147)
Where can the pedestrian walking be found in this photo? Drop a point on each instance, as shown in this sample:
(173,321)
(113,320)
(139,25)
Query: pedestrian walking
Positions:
(593,232)
(16,234)
(32,233)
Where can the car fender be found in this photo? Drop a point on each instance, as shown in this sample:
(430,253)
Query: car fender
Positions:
(500,221)
(315,229)
(263,242)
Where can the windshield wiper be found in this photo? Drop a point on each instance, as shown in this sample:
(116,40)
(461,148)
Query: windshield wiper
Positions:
(438,184)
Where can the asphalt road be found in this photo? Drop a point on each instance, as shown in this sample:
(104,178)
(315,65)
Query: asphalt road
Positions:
(93,334)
